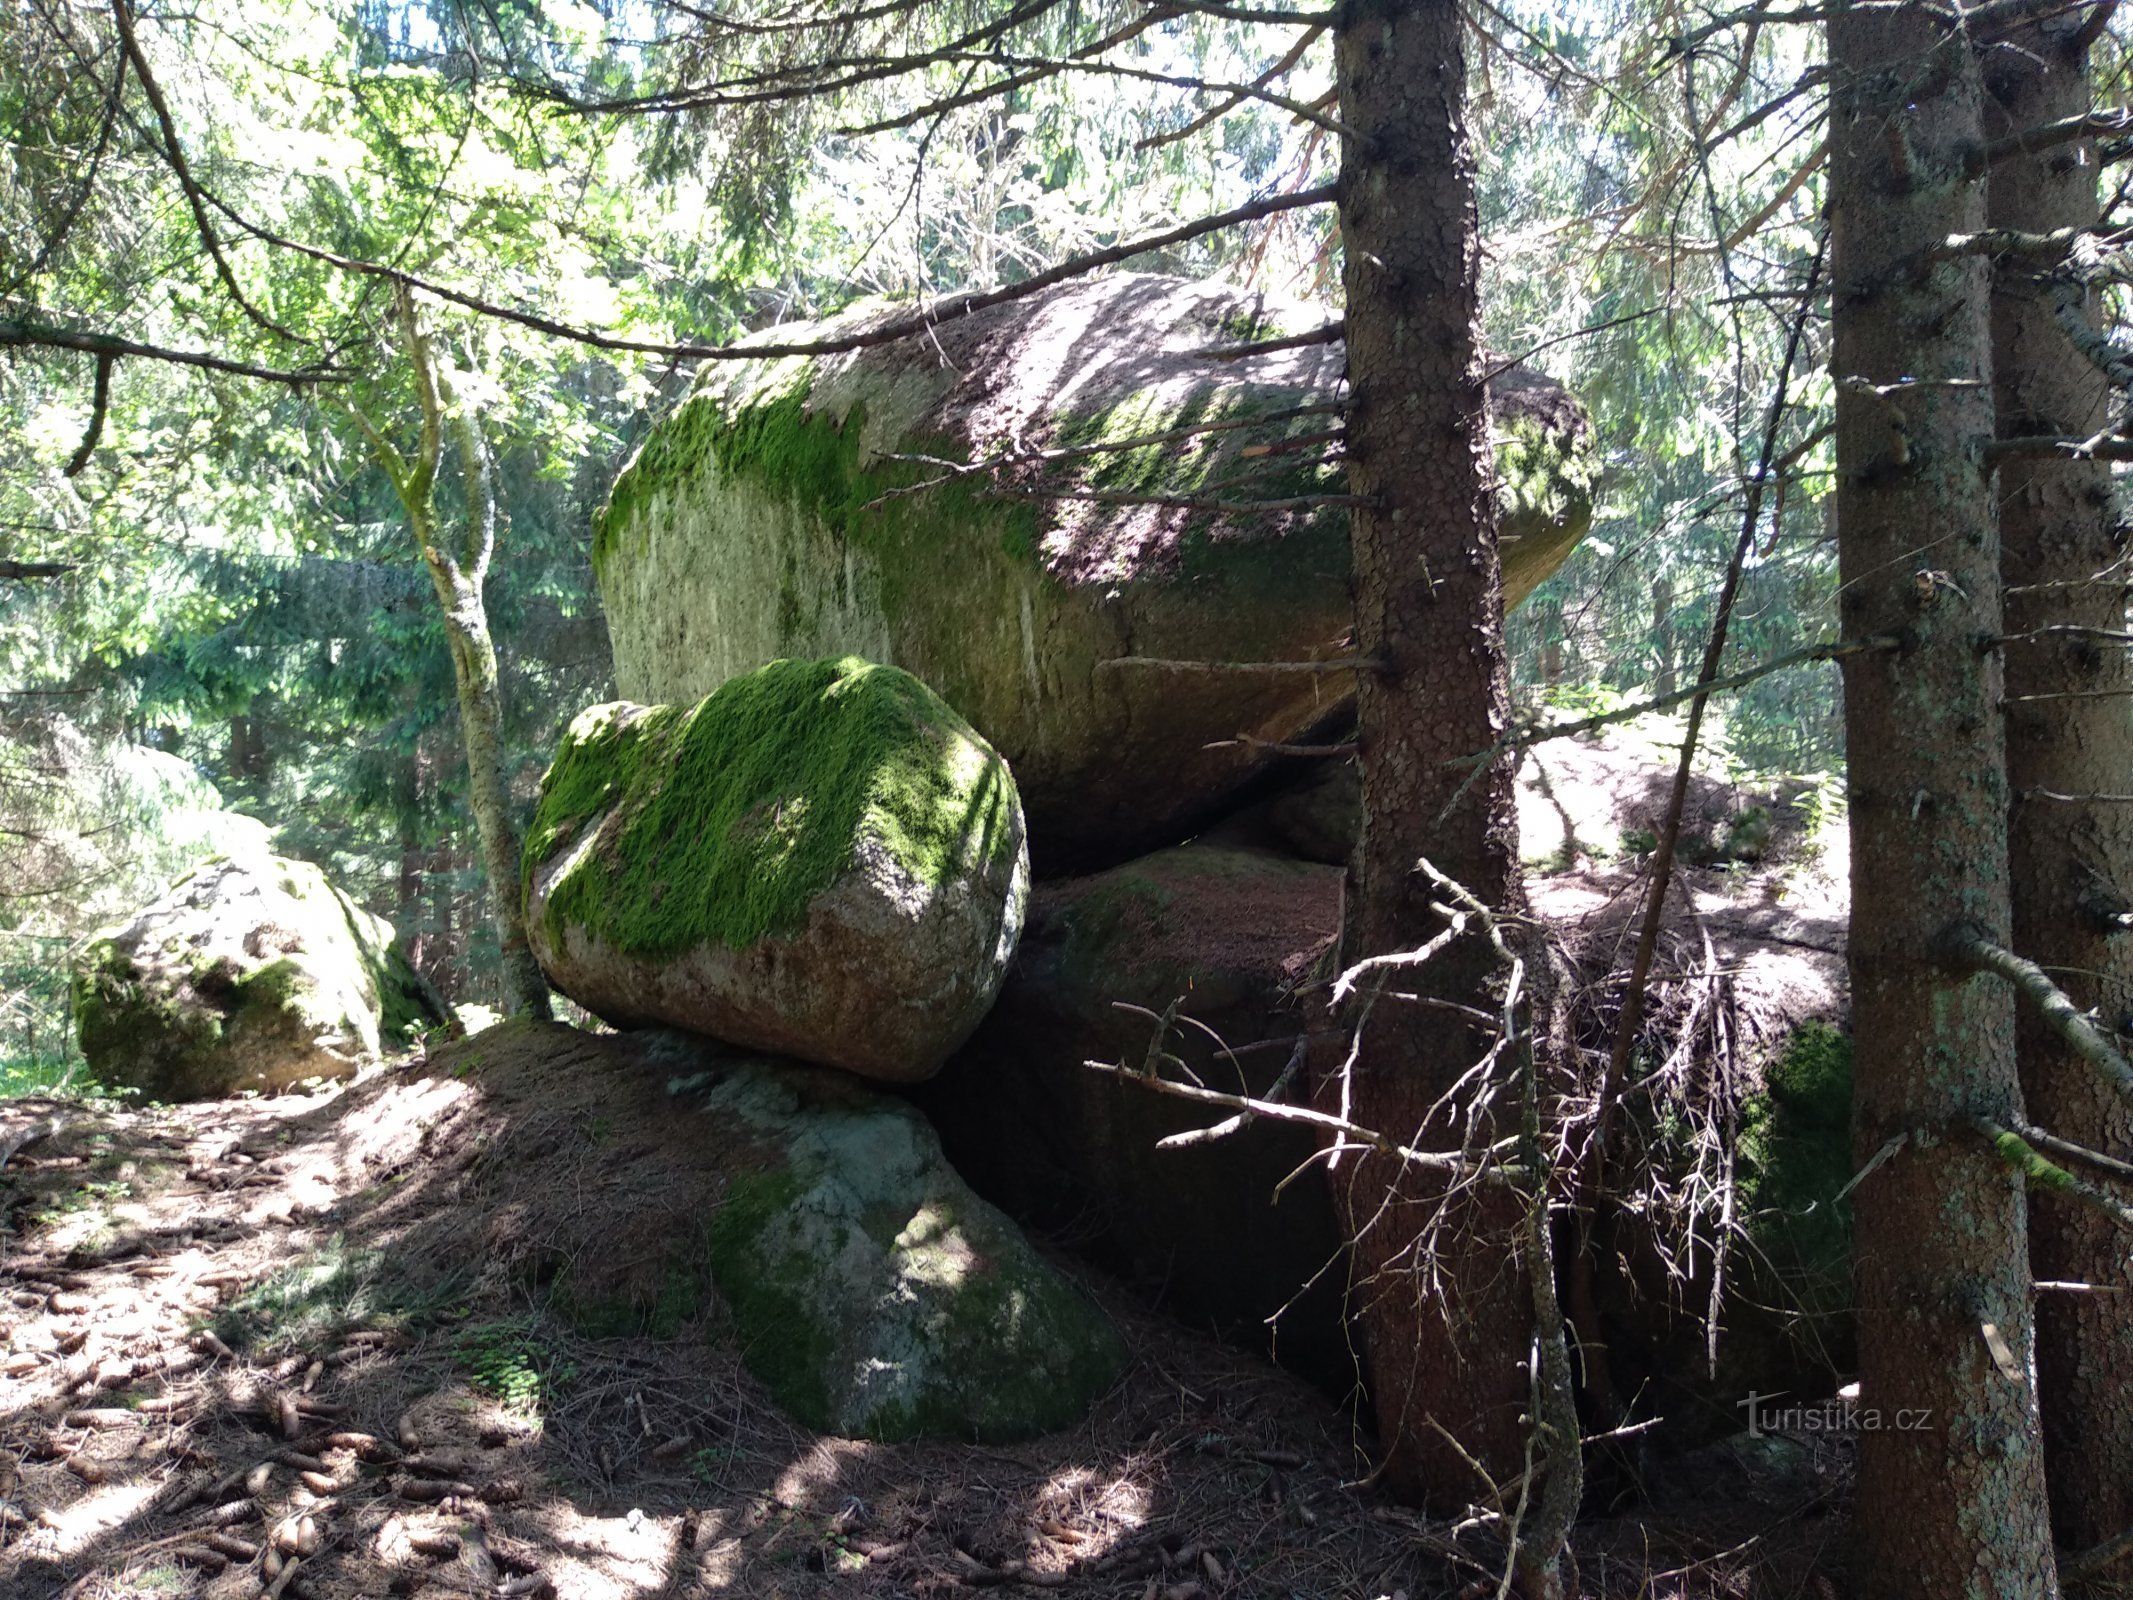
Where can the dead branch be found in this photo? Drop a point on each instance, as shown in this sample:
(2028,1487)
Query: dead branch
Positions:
(1332,333)
(2044,136)
(1970,949)
(2072,1151)
(885,333)
(1484,1171)
(1272,748)
(1186,502)
(23,335)
(173,154)
(1229,668)
(2094,1561)
(22,571)
(2041,1173)
(1834,651)
(99,408)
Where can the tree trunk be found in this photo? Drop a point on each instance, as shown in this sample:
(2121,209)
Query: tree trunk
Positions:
(457,578)
(2071,866)
(1950,1497)
(481,714)
(1445,1308)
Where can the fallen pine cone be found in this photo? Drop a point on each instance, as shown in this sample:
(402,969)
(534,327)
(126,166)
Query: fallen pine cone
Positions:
(431,1489)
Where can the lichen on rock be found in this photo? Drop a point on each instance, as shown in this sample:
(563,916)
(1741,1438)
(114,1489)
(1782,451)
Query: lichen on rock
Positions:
(253,972)
(821,858)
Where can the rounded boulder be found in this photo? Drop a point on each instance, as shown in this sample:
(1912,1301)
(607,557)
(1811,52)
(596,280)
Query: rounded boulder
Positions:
(819,859)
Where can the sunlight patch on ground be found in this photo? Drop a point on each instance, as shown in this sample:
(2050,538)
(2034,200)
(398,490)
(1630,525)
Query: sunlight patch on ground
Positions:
(626,1557)
(74,1529)
(821,1469)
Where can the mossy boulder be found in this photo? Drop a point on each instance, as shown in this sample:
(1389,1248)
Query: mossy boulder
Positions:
(819,859)
(254,972)
(1228,942)
(810,506)
(872,1292)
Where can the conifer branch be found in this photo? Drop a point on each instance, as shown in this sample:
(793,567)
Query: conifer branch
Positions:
(1969,949)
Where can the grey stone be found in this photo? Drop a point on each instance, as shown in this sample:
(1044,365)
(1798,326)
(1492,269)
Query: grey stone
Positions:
(765,518)
(254,972)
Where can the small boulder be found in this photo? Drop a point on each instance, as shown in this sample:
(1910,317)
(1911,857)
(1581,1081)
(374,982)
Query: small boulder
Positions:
(874,1294)
(820,859)
(809,1218)
(252,973)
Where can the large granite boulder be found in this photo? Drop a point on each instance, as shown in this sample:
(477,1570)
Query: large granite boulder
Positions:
(778,512)
(254,972)
(1233,939)
(819,859)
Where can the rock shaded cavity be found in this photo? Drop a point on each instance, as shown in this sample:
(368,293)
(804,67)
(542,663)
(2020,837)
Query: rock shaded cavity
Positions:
(820,859)
(1228,937)
(773,515)
(254,972)
(869,1289)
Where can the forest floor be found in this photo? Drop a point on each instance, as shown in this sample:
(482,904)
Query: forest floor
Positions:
(299,1346)
(278,1346)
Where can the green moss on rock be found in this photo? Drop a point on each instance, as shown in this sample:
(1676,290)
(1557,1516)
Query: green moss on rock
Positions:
(871,1291)
(800,507)
(1793,1161)
(740,810)
(248,974)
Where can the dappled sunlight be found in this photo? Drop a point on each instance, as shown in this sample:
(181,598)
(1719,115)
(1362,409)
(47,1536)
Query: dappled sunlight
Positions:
(385,1358)
(810,1480)
(72,1531)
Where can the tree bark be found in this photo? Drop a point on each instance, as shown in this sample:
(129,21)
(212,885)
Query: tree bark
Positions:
(457,577)
(1950,1498)
(2071,865)
(1445,1305)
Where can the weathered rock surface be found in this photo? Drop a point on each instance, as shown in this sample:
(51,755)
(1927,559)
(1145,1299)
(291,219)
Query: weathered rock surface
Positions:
(752,525)
(861,1280)
(1231,934)
(820,859)
(875,1294)
(254,972)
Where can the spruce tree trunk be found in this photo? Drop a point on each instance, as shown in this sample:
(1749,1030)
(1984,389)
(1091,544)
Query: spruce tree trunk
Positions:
(2071,865)
(1446,1311)
(1950,1498)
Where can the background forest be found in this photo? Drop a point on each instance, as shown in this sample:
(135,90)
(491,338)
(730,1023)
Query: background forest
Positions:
(215,606)
(331,335)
